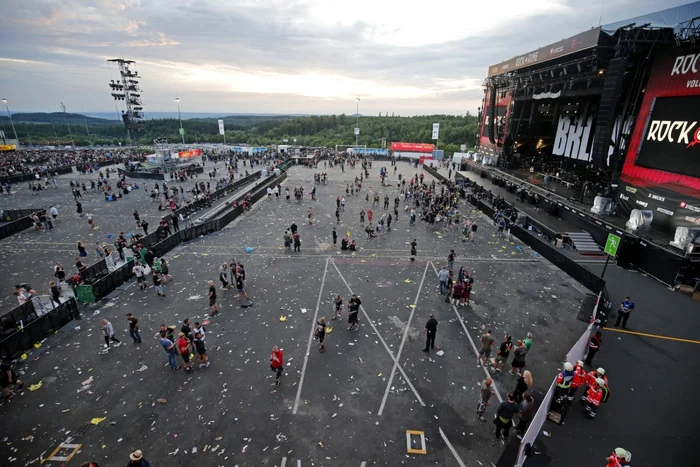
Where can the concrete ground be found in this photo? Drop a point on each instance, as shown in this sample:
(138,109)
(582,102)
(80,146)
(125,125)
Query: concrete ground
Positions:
(350,405)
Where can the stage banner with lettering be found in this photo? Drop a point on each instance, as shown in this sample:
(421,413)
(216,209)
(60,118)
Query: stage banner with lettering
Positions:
(413,147)
(221,127)
(189,154)
(436,131)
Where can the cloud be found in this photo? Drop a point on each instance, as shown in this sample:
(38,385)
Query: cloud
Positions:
(304,56)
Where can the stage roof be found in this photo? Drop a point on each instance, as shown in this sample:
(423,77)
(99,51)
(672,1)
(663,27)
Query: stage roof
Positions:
(670,18)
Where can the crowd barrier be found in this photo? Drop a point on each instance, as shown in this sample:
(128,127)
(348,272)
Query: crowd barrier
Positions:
(32,178)
(9,215)
(577,352)
(17,226)
(160,246)
(16,340)
(95,272)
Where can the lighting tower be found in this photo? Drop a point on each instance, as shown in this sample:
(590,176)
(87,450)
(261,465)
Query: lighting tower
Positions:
(127,89)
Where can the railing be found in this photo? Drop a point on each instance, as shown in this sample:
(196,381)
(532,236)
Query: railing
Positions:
(31,178)
(11,228)
(15,340)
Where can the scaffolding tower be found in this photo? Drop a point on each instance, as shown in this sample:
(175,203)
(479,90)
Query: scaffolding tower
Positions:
(127,90)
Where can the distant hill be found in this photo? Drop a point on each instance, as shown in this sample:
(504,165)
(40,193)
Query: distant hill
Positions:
(57,118)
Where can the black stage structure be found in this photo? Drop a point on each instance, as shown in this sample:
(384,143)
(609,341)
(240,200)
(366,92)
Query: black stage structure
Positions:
(572,119)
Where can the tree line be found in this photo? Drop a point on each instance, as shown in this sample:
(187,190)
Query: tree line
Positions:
(322,130)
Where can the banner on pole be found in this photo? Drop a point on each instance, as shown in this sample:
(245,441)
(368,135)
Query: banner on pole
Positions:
(221,127)
(436,131)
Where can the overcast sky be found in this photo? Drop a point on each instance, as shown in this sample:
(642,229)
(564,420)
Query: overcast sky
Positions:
(280,56)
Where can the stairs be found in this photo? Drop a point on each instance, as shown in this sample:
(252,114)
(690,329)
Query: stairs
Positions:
(584,243)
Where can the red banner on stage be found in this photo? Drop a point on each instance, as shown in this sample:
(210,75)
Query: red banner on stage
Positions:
(412,147)
(188,154)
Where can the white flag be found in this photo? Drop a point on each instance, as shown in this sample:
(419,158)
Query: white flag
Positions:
(436,131)
(221,127)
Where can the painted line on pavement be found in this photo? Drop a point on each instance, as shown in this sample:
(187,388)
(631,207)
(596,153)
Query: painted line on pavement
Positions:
(381,339)
(311,338)
(471,340)
(284,462)
(403,341)
(655,336)
(451,448)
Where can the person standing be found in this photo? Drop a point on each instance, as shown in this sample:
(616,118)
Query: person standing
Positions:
(223,275)
(133,328)
(8,378)
(144,226)
(277,363)
(91,221)
(504,417)
(183,346)
(485,396)
(442,276)
(518,362)
(430,330)
(526,412)
(55,293)
(457,292)
(593,346)
(578,380)
(362,217)
(335,237)
(527,342)
(413,217)
(287,241)
(158,284)
(139,272)
(337,306)
(523,383)
(297,242)
(337,215)
(108,331)
(623,313)
(212,299)
(487,341)
(170,350)
(353,312)
(595,396)
(202,358)
(451,260)
(240,286)
(414,249)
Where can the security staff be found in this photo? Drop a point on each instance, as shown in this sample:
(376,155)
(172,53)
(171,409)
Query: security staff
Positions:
(578,380)
(430,330)
(595,396)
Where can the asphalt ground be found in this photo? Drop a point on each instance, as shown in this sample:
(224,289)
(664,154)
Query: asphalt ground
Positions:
(351,404)
(652,374)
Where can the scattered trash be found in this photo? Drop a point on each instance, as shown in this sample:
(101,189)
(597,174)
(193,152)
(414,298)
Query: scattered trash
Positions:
(143,368)
(36,386)
(440,353)
(283,318)
(249,249)
(98,420)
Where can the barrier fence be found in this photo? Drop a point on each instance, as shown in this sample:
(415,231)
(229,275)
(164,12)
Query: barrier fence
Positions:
(577,352)
(160,246)
(17,226)
(16,340)
(32,178)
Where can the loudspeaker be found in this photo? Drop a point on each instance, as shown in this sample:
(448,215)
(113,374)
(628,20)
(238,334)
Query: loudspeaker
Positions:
(607,111)
(491,114)
(627,251)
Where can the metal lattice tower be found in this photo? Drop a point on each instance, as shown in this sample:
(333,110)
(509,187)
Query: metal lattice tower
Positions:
(127,89)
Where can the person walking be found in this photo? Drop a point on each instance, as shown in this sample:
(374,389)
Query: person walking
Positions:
(136,459)
(320,334)
(139,273)
(277,363)
(523,383)
(503,353)
(526,412)
(353,312)
(91,221)
(212,299)
(485,395)
(158,284)
(484,356)
(183,346)
(133,328)
(108,331)
(335,237)
(414,249)
(593,346)
(504,418)
(623,313)
(430,330)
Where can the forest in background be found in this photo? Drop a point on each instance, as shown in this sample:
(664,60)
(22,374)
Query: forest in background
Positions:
(323,130)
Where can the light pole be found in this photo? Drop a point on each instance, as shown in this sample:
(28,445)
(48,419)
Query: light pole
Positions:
(357,122)
(182,132)
(4,101)
(70,134)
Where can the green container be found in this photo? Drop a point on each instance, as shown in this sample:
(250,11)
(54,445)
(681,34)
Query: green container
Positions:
(85,294)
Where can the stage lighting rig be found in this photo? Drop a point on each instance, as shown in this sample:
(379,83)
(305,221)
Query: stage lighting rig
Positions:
(127,89)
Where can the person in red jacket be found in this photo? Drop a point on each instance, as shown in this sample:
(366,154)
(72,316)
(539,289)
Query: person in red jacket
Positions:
(590,380)
(594,397)
(619,458)
(579,379)
(277,363)
(183,346)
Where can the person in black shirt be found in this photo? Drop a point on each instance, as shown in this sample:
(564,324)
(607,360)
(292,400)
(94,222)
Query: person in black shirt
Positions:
(212,299)
(503,353)
(414,249)
(240,286)
(293,228)
(430,331)
(320,334)
(335,237)
(133,328)
(504,417)
(8,378)
(353,311)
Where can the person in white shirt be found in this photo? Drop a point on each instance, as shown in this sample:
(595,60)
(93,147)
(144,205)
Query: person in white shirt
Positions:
(138,271)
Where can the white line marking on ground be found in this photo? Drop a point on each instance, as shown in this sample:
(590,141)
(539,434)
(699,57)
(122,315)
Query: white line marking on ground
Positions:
(403,341)
(381,339)
(311,338)
(364,463)
(298,462)
(451,448)
(476,351)
(284,462)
